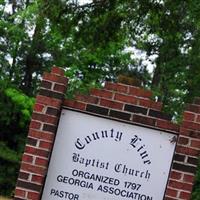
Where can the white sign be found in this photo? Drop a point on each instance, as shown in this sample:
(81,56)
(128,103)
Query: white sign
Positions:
(96,158)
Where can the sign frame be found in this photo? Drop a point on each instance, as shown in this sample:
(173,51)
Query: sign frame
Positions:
(175,135)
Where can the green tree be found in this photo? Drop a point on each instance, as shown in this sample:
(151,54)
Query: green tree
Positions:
(37,34)
(90,42)
(15,111)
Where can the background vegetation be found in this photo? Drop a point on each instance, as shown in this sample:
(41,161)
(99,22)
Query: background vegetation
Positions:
(93,42)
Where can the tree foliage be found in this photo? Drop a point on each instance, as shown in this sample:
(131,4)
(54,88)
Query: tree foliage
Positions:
(15,111)
(91,42)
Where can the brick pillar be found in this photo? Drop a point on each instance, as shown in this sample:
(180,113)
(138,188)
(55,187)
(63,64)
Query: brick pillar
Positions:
(41,135)
(186,156)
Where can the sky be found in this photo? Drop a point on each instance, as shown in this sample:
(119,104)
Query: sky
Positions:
(84,1)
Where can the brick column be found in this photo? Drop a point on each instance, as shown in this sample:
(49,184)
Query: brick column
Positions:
(41,135)
(186,156)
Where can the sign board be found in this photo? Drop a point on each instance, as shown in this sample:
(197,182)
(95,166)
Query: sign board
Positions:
(97,158)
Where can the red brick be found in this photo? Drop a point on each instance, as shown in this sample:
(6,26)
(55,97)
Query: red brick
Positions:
(33,169)
(175,175)
(37,179)
(55,78)
(167,125)
(193,108)
(97,109)
(23,175)
(188,116)
(116,87)
(193,161)
(51,94)
(195,143)
(150,104)
(172,193)
(101,93)
(159,115)
(184,131)
(41,135)
(36,151)
(179,157)
(49,128)
(46,145)
(46,85)
(190,133)
(41,162)
(125,98)
(111,104)
(29,186)
(140,92)
(198,119)
(144,120)
(27,158)
(169,198)
(87,98)
(180,185)
(33,195)
(183,140)
(188,178)
(187,151)
(38,107)
(35,125)
(191,125)
(45,118)
(48,101)
(185,195)
(52,111)
(20,193)
(58,71)
(184,167)
(59,88)
(74,104)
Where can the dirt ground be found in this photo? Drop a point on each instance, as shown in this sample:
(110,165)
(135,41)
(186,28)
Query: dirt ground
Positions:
(4,198)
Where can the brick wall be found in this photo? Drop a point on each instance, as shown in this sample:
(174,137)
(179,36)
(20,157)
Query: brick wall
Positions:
(125,103)
(115,101)
(41,135)
(186,155)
